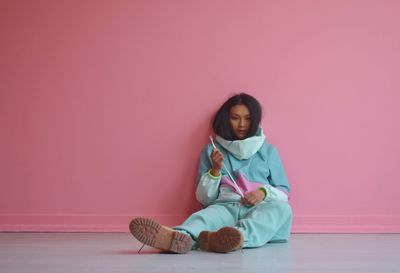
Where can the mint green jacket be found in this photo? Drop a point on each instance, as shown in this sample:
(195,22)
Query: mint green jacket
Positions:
(261,167)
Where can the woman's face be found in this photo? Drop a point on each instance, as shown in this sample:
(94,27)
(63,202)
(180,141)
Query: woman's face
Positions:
(239,120)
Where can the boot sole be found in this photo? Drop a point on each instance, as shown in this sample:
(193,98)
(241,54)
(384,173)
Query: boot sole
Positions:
(225,240)
(151,233)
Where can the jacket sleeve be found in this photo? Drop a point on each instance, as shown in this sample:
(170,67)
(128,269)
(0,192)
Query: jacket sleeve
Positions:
(207,185)
(278,188)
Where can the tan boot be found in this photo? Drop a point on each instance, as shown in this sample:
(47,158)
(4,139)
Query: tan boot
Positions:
(224,240)
(150,233)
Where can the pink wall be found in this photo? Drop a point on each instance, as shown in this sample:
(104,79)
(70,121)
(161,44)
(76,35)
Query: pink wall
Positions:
(105,105)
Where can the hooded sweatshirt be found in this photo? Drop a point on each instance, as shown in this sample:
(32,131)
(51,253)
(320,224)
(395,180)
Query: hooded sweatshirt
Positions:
(252,162)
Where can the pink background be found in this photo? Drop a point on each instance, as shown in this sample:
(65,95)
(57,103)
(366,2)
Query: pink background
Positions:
(105,106)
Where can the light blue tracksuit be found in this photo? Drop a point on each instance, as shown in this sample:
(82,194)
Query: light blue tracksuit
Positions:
(253,163)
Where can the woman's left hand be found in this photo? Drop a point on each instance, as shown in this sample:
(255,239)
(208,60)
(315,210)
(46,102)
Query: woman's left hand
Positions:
(253,198)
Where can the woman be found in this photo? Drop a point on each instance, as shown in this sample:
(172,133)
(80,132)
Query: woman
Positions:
(241,184)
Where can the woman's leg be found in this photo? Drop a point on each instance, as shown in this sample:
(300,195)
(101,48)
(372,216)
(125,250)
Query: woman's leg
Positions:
(265,222)
(180,239)
(213,228)
(211,218)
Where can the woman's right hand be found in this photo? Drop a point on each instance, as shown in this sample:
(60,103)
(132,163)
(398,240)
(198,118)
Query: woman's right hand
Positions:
(217,160)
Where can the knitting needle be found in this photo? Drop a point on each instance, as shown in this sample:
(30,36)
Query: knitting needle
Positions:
(229,174)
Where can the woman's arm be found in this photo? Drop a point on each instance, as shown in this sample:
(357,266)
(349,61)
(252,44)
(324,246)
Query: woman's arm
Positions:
(207,184)
(278,188)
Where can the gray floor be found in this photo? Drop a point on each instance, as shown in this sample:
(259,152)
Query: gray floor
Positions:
(117,252)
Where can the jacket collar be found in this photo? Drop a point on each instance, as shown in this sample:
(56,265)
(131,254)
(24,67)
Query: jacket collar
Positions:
(245,148)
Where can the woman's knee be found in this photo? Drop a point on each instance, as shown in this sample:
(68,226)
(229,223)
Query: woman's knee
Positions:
(283,207)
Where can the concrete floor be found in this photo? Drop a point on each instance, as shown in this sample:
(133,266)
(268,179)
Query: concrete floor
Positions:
(117,252)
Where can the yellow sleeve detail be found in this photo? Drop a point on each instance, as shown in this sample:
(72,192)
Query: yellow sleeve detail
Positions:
(264,190)
(212,176)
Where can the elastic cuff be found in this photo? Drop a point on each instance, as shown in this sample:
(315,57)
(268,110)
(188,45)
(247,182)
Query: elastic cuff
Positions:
(212,176)
(264,190)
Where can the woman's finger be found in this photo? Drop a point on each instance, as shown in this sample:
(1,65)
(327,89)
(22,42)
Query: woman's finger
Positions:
(216,154)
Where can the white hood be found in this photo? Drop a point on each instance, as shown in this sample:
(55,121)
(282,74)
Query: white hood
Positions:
(246,148)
